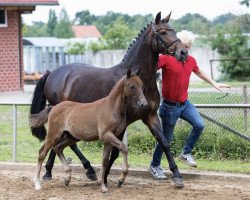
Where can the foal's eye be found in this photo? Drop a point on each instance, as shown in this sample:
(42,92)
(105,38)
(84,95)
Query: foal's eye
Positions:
(164,33)
(132,87)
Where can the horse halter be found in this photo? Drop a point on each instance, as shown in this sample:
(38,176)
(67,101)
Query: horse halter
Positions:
(166,45)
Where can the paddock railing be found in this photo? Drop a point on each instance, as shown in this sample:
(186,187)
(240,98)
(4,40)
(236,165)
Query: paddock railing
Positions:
(239,107)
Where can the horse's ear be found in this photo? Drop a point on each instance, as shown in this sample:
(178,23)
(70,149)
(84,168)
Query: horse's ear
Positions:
(138,72)
(158,18)
(166,19)
(128,73)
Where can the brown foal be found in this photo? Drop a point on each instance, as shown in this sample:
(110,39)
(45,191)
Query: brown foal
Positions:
(102,120)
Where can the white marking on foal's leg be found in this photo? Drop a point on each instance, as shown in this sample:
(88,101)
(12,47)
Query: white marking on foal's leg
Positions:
(37,183)
(104,188)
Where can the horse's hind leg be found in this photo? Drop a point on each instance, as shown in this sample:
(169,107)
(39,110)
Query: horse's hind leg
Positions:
(90,173)
(42,154)
(58,148)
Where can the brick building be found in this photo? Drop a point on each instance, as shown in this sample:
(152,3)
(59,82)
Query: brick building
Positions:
(11,63)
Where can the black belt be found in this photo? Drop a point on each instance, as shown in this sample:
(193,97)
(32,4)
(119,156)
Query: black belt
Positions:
(173,103)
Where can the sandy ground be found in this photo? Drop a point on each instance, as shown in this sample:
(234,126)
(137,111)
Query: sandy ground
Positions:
(16,183)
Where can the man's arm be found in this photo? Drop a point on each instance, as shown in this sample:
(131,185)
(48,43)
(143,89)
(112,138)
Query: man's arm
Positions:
(204,77)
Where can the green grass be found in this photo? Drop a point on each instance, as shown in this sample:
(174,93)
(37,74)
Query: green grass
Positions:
(28,147)
(231,83)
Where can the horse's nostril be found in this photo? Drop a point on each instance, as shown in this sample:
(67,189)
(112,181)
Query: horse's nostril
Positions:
(183,52)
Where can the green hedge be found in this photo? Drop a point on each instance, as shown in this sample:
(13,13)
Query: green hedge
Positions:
(213,144)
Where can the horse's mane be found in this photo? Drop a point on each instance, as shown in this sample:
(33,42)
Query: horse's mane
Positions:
(135,40)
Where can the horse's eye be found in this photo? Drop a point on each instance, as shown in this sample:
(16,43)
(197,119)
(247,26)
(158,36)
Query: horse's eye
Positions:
(132,87)
(164,33)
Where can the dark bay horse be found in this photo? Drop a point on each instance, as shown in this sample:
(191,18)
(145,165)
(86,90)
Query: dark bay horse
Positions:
(103,119)
(84,83)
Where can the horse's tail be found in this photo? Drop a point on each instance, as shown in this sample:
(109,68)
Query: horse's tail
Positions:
(37,105)
(38,120)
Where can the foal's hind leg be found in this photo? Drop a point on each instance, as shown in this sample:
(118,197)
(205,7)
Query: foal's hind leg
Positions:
(42,154)
(58,148)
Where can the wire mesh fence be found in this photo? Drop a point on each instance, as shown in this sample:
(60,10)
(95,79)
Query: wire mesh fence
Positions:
(238,119)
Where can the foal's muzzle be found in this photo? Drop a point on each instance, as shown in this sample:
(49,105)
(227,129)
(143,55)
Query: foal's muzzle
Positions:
(143,103)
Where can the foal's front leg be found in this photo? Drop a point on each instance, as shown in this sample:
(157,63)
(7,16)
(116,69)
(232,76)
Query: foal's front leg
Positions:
(105,159)
(110,138)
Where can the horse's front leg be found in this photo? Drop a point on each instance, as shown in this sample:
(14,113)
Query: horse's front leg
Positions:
(153,123)
(114,141)
(105,159)
(114,155)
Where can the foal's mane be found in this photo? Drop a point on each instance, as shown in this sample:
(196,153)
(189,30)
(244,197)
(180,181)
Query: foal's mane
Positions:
(119,86)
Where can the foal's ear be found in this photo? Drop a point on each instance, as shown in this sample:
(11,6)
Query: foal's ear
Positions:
(158,18)
(166,19)
(138,71)
(128,73)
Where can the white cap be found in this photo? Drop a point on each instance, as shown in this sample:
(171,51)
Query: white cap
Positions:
(186,37)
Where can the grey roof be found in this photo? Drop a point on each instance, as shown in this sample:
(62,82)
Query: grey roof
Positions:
(44,41)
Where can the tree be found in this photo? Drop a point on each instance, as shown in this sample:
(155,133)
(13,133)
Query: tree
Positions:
(52,22)
(118,35)
(192,22)
(74,48)
(64,27)
(232,45)
(245,2)
(37,29)
(85,18)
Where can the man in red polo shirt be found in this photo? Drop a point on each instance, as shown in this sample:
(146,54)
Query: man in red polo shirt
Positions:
(175,82)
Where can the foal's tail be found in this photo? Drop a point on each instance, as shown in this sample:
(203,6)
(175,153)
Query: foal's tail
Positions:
(38,120)
(37,105)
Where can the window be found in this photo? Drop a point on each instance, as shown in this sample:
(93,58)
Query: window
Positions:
(3,18)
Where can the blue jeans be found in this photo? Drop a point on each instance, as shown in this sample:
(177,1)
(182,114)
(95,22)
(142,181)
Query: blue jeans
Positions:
(169,115)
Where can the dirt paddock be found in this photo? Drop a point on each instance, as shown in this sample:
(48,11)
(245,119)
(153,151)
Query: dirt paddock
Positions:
(16,183)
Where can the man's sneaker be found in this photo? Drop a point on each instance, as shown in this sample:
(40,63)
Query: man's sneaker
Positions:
(188,159)
(157,172)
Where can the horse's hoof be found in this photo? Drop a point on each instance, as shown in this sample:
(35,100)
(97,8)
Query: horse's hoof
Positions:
(47,176)
(119,184)
(91,175)
(177,182)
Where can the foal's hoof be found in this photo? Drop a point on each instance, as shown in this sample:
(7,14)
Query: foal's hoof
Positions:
(177,182)
(119,184)
(104,189)
(47,176)
(91,175)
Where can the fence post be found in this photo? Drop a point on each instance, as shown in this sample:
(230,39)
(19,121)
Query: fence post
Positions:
(211,69)
(245,101)
(125,138)
(61,56)
(14,132)
(53,51)
(47,59)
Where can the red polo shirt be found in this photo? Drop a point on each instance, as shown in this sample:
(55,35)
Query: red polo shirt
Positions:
(175,77)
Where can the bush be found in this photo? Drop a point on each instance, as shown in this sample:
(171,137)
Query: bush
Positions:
(212,144)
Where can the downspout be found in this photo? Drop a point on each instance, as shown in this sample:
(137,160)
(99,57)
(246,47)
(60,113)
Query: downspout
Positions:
(20,51)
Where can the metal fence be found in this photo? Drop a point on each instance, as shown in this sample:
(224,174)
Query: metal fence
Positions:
(15,115)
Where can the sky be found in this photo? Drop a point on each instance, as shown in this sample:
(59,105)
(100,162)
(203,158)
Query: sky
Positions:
(209,8)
